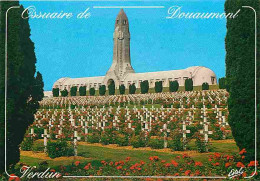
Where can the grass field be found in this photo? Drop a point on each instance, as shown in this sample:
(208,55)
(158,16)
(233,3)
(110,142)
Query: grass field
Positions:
(98,152)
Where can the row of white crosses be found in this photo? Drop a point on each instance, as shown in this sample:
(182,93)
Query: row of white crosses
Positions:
(145,116)
(213,95)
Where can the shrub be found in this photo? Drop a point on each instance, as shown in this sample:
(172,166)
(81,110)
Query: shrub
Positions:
(188,85)
(102,90)
(111,88)
(73,91)
(176,143)
(132,89)
(158,86)
(92,91)
(137,142)
(122,140)
(122,89)
(27,144)
(36,147)
(156,144)
(222,83)
(55,92)
(205,86)
(64,93)
(93,138)
(174,86)
(144,87)
(58,149)
(82,91)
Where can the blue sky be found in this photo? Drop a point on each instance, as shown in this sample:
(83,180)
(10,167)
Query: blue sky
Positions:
(84,47)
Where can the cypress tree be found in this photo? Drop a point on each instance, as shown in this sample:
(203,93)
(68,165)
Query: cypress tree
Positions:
(23,89)
(158,86)
(240,72)
(102,90)
(174,86)
(205,86)
(38,88)
(188,85)
(111,88)
(144,87)
(73,91)
(122,89)
(222,83)
(132,89)
(64,93)
(92,91)
(82,91)
(55,92)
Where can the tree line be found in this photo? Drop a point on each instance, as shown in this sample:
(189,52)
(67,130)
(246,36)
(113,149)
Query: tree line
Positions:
(144,88)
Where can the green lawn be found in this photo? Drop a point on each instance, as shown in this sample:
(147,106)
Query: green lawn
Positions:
(98,153)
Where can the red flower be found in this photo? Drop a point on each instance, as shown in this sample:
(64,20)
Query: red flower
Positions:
(227,164)
(217,155)
(253,163)
(197,172)
(77,163)
(163,161)
(240,164)
(174,163)
(52,170)
(14,177)
(167,164)
(119,167)
(216,164)
(103,162)
(198,164)
(242,151)
(176,174)
(187,172)
(86,167)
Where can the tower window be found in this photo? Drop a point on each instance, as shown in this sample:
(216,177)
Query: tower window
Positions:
(117,21)
(124,22)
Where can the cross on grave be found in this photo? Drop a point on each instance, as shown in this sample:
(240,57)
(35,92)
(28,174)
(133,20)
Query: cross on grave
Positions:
(32,133)
(223,123)
(59,133)
(184,132)
(130,126)
(76,138)
(50,126)
(45,137)
(165,131)
(206,132)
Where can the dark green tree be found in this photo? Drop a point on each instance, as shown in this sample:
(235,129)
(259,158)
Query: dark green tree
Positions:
(188,85)
(132,89)
(240,72)
(64,93)
(102,90)
(73,91)
(174,86)
(82,91)
(122,89)
(111,88)
(92,91)
(22,100)
(205,86)
(222,83)
(144,87)
(158,86)
(38,88)
(55,92)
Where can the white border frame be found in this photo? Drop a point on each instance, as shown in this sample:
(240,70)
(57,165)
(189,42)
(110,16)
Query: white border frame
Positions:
(211,177)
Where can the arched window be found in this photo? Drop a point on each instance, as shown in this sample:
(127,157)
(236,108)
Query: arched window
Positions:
(117,21)
(124,22)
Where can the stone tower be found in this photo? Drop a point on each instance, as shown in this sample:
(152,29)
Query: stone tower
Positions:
(121,64)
